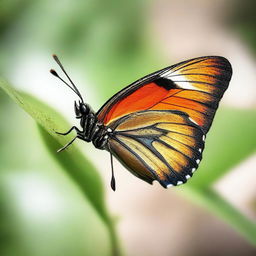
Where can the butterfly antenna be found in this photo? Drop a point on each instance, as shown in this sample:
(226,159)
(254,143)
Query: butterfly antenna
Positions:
(113,180)
(53,72)
(64,71)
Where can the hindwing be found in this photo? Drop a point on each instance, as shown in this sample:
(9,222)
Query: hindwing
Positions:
(158,145)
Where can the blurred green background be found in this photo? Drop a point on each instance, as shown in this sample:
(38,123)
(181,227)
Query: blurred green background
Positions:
(61,204)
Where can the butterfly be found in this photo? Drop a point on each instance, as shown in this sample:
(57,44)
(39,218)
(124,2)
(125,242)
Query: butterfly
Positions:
(156,127)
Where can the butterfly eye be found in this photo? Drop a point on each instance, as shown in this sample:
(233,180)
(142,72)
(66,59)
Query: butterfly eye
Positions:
(83,109)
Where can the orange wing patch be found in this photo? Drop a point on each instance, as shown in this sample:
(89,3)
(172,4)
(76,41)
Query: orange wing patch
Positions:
(138,100)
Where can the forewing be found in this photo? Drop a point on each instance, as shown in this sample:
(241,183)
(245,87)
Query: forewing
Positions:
(194,87)
(158,145)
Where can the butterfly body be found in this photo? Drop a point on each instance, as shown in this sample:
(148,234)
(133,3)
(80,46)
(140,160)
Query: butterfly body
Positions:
(156,127)
(91,129)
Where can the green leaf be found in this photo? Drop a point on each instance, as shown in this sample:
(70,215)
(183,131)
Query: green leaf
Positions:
(77,167)
(51,121)
(72,160)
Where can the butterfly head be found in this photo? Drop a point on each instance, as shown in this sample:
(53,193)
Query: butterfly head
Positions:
(81,109)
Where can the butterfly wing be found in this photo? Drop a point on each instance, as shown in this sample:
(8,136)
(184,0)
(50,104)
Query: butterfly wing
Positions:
(161,145)
(159,122)
(194,87)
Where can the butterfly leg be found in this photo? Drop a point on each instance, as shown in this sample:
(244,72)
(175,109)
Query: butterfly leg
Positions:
(69,131)
(67,145)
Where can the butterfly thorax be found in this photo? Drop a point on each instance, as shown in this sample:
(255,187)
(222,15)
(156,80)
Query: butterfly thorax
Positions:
(92,130)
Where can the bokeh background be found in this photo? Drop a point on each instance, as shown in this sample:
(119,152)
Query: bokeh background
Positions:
(61,204)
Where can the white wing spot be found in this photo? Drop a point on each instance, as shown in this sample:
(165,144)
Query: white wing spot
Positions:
(200,150)
(180,80)
(167,73)
(203,137)
(193,121)
(179,182)
(193,169)
(169,185)
(109,130)
(188,177)
(198,161)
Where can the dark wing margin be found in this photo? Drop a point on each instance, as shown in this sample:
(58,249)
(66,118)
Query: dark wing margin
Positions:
(158,145)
